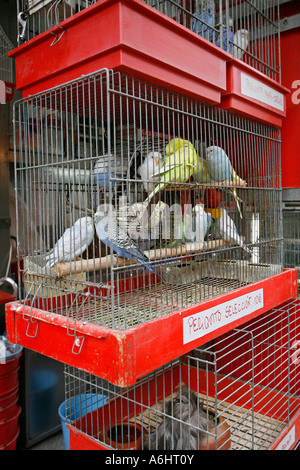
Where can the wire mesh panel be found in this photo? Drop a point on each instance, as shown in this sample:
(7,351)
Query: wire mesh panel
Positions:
(291,234)
(236,392)
(119,220)
(6,64)
(36,16)
(247,29)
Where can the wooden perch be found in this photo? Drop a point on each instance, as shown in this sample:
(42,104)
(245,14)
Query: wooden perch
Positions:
(239,183)
(97,264)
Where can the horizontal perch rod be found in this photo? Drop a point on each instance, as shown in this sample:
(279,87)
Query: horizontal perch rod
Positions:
(83,265)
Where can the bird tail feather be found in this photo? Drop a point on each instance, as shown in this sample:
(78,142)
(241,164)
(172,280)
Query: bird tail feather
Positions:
(237,200)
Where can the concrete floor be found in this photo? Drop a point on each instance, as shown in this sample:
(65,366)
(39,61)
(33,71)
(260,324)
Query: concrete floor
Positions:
(55,442)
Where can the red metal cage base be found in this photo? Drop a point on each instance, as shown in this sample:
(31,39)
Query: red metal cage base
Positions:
(121,357)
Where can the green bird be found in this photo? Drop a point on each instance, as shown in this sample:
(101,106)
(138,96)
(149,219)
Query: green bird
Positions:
(179,165)
(201,174)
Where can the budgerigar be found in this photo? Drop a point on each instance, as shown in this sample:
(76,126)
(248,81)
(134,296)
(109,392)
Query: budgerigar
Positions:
(150,166)
(226,229)
(178,166)
(101,174)
(117,239)
(202,26)
(201,173)
(221,170)
(227,36)
(202,221)
(240,38)
(74,241)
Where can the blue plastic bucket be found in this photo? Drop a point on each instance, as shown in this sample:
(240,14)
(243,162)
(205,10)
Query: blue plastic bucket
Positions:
(78,406)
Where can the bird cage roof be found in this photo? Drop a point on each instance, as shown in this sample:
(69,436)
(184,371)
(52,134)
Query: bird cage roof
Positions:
(6,64)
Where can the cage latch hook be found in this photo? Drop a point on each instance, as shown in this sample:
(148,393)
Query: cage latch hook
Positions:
(22,19)
(57,37)
(77,345)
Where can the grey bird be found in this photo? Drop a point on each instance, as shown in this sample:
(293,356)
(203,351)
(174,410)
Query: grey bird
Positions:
(185,423)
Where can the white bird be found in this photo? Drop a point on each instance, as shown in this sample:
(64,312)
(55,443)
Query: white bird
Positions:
(74,241)
(78,5)
(241,42)
(150,166)
(226,229)
(202,222)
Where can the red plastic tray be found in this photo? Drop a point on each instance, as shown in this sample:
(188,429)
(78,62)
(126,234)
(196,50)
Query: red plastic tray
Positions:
(253,94)
(122,357)
(125,35)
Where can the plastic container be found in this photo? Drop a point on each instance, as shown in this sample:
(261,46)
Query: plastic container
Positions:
(9,395)
(9,410)
(9,356)
(12,444)
(9,381)
(9,428)
(125,436)
(77,407)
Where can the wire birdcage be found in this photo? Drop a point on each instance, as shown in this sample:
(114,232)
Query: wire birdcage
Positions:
(79,151)
(291,235)
(249,30)
(6,64)
(239,391)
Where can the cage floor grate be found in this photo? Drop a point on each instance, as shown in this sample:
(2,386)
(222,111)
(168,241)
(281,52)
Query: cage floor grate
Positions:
(248,432)
(141,305)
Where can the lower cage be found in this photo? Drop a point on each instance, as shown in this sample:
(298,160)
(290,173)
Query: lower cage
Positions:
(239,391)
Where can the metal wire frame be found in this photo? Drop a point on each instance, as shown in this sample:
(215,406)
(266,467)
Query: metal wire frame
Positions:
(219,21)
(36,16)
(291,234)
(6,64)
(61,134)
(222,21)
(249,379)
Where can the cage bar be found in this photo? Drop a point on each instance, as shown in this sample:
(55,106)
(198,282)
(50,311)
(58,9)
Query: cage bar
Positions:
(7,76)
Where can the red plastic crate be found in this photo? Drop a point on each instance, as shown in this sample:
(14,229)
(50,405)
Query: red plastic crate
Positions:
(125,35)
(253,94)
(122,357)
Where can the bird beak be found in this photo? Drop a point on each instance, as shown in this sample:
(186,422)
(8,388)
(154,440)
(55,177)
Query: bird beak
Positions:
(157,161)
